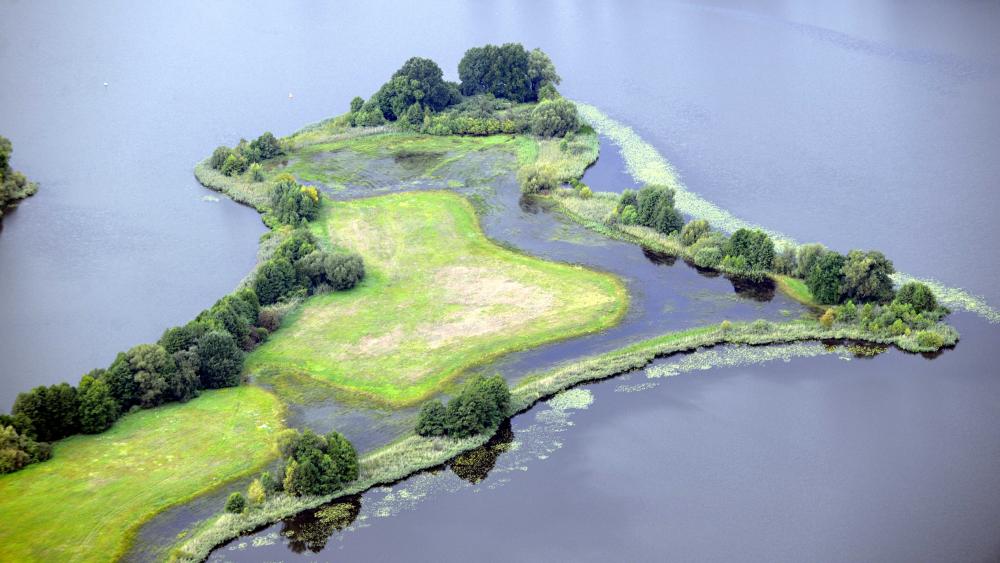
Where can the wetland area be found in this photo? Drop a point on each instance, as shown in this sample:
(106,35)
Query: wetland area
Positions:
(817,447)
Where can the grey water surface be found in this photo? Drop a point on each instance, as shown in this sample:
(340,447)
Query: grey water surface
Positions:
(868,124)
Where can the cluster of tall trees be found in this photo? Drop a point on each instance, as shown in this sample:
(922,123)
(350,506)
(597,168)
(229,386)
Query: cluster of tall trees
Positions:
(206,353)
(481,405)
(292,203)
(313,465)
(13,185)
(652,206)
(418,97)
(236,161)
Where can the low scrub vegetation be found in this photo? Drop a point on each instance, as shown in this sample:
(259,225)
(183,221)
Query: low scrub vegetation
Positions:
(13,185)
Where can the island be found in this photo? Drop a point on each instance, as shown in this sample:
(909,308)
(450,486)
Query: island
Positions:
(376,283)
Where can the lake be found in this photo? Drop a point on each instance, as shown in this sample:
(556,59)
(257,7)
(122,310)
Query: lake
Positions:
(858,124)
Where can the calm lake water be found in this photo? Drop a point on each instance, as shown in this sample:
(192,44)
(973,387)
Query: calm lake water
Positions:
(870,124)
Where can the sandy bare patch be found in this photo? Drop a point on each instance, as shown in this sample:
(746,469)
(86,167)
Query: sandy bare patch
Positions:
(491,301)
(382,344)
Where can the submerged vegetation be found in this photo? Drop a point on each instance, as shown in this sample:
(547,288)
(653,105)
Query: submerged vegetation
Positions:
(13,185)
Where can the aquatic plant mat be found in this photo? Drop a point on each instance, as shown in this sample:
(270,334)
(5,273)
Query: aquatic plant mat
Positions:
(413,453)
(648,166)
(86,503)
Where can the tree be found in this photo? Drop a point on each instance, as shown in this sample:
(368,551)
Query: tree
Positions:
(292,203)
(236,504)
(542,73)
(826,279)
(274,280)
(266,146)
(693,230)
(554,118)
(649,200)
(151,369)
(807,256)
(344,456)
(220,360)
(122,384)
(432,419)
(917,295)
(270,483)
(785,261)
(755,247)
(53,411)
(182,337)
(481,405)
(219,156)
(357,103)
(98,409)
(185,383)
(18,450)
(667,220)
(503,71)
(866,276)
(418,81)
(628,198)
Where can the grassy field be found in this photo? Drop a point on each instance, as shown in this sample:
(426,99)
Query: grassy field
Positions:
(87,502)
(439,298)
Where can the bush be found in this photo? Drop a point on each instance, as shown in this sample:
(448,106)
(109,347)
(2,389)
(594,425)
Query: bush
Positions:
(264,147)
(257,172)
(344,271)
(234,165)
(585,192)
(255,493)
(930,340)
(708,257)
(827,319)
(726,326)
(917,295)
(693,230)
(760,326)
(18,450)
(432,419)
(317,465)
(554,118)
(219,157)
(629,216)
(292,203)
(236,504)
(535,178)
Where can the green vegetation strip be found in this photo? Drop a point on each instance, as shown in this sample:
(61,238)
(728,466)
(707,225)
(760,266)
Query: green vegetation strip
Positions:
(413,453)
(87,503)
(648,166)
(439,298)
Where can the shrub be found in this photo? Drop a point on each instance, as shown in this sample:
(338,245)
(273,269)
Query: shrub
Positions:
(785,261)
(432,419)
(548,92)
(760,326)
(535,178)
(847,312)
(257,172)
(585,192)
(269,483)
(827,319)
(930,340)
(256,493)
(53,411)
(708,257)
(18,450)
(317,465)
(826,280)
(264,147)
(554,118)
(219,156)
(898,328)
(726,326)
(234,165)
(866,276)
(806,257)
(236,504)
(292,203)
(629,216)
(917,295)
(629,198)
(693,230)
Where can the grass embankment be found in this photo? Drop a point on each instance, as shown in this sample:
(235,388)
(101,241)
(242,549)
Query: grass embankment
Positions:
(438,298)
(413,453)
(88,501)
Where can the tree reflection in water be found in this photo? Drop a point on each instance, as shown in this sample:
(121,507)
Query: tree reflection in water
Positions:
(474,466)
(312,529)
